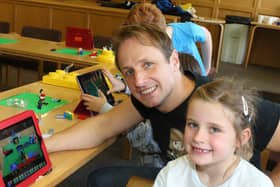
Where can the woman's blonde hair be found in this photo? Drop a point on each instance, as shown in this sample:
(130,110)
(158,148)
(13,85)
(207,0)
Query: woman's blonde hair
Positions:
(146,13)
(239,99)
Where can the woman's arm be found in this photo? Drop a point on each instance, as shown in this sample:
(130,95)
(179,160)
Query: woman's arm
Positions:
(207,50)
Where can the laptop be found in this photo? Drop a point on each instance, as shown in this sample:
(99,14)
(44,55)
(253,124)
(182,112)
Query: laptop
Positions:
(23,157)
(79,38)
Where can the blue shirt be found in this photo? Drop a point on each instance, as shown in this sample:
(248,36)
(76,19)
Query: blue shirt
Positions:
(184,38)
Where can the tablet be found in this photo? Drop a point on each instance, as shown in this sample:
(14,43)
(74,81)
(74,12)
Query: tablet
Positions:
(90,82)
(23,157)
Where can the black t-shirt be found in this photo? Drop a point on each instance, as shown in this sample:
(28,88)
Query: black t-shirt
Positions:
(162,123)
(266,122)
(267,118)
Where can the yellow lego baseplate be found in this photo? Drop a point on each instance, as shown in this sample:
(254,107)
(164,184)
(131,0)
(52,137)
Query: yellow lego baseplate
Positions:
(61,78)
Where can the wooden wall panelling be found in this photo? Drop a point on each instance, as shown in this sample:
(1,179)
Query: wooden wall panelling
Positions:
(63,17)
(269,7)
(7,13)
(199,2)
(104,23)
(32,15)
(205,11)
(223,12)
(254,11)
(204,8)
(238,8)
(238,4)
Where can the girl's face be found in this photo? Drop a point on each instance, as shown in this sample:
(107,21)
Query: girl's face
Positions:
(210,137)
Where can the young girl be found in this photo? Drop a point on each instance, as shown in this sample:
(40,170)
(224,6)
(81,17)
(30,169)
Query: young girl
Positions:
(218,140)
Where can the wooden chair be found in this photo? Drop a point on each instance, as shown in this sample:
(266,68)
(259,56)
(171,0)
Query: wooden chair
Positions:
(102,41)
(4,27)
(32,32)
(136,181)
(43,34)
(265,154)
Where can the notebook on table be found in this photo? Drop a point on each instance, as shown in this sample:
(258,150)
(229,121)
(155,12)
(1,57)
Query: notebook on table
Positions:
(23,157)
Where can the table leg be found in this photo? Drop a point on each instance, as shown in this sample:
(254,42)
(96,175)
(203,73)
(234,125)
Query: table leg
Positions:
(40,69)
(222,28)
(251,38)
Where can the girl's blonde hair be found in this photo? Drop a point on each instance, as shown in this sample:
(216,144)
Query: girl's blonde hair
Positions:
(239,99)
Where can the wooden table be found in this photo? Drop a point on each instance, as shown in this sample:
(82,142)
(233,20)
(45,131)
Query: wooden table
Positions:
(63,163)
(41,51)
(268,50)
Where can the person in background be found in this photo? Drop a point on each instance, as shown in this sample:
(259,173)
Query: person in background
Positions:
(159,92)
(184,35)
(218,140)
